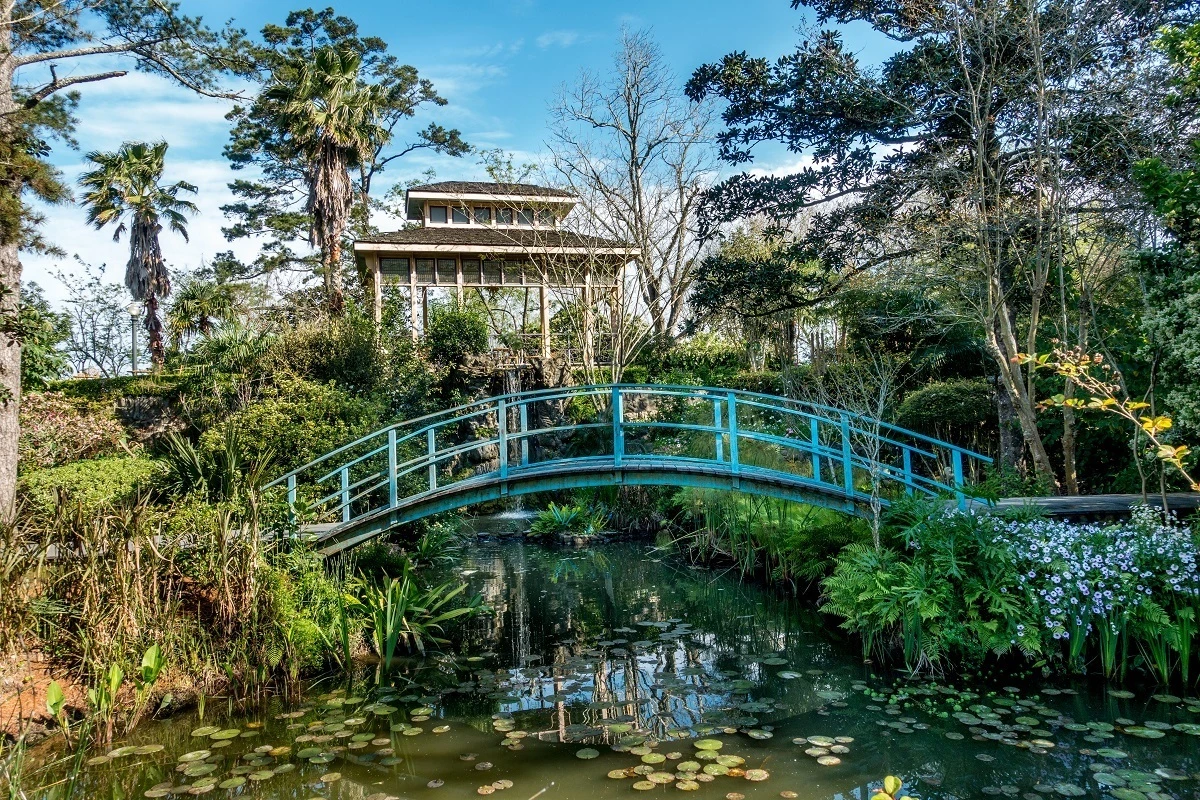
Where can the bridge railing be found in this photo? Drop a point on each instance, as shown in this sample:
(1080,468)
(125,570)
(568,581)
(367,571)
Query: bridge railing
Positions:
(728,432)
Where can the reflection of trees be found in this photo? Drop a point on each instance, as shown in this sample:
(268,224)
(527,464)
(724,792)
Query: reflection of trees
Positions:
(559,605)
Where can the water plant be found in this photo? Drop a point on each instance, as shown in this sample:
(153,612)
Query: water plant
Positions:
(571,520)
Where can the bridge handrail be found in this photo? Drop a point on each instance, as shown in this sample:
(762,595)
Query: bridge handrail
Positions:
(438,419)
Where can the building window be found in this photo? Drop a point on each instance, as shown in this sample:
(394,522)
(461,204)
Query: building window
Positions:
(525,216)
(437,214)
(545,217)
(460,216)
(447,271)
(504,216)
(483,215)
(394,266)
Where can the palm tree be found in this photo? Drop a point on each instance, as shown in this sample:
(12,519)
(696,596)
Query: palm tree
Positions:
(198,307)
(124,190)
(334,116)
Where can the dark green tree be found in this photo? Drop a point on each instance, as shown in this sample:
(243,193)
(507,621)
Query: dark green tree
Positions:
(976,152)
(43,332)
(303,120)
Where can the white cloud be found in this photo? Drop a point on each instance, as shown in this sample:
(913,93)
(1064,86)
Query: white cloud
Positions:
(559,38)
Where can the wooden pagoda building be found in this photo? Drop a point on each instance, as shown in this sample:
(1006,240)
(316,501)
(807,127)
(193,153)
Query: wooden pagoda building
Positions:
(469,236)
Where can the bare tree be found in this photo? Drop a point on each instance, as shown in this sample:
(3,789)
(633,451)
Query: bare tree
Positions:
(639,155)
(101,328)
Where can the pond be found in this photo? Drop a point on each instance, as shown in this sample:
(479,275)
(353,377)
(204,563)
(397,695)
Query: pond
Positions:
(618,672)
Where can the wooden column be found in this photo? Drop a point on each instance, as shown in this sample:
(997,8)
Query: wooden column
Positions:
(589,319)
(544,301)
(458,278)
(412,297)
(377,280)
(424,308)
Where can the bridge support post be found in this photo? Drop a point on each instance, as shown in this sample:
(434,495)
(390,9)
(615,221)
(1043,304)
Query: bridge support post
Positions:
(618,429)
(734,465)
(393,490)
(720,435)
(291,497)
(502,441)
(847,459)
(957,460)
(908,474)
(814,434)
(345,475)
(523,415)
(431,449)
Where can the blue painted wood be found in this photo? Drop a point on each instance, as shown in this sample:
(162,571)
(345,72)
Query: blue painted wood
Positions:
(502,441)
(720,434)
(361,483)
(735,464)
(393,485)
(847,457)
(617,431)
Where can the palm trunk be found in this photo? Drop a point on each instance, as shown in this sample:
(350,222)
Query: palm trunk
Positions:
(154,333)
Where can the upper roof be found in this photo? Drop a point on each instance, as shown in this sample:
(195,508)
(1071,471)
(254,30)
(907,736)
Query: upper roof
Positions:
(484,191)
(482,239)
(490,188)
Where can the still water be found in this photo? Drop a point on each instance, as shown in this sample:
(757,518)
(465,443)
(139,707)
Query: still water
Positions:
(617,672)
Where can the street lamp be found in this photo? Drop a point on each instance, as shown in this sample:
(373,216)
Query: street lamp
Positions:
(135,311)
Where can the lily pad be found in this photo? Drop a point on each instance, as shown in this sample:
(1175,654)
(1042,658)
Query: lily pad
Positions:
(587,753)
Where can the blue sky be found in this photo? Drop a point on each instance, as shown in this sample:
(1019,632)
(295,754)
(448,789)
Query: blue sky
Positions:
(499,64)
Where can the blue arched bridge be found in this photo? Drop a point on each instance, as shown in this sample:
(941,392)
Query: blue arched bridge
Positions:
(617,434)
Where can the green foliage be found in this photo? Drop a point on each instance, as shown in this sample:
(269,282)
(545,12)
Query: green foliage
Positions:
(569,520)
(790,542)
(56,430)
(960,410)
(41,331)
(225,470)
(295,421)
(91,484)
(110,389)
(951,588)
(455,332)
(402,616)
(705,359)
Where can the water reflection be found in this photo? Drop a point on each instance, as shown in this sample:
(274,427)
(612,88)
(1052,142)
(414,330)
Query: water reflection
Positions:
(627,656)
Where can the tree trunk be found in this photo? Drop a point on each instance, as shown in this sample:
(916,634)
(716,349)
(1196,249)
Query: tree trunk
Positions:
(1070,472)
(10,286)
(1010,437)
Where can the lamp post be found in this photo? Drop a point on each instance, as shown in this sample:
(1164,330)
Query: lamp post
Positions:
(135,311)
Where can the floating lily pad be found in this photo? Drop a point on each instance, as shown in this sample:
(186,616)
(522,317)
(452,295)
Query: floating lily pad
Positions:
(708,744)
(207,730)
(756,775)
(587,753)
(1069,790)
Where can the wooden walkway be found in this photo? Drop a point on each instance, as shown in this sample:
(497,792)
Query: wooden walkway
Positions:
(1099,505)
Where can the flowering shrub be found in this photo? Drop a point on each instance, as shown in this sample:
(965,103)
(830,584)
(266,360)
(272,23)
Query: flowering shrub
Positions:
(969,584)
(56,430)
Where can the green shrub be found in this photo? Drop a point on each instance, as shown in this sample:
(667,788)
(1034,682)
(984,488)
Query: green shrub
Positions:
(706,359)
(342,351)
(455,331)
(93,484)
(295,421)
(109,389)
(56,430)
(962,411)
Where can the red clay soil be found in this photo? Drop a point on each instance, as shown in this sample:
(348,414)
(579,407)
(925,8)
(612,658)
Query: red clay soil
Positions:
(23,681)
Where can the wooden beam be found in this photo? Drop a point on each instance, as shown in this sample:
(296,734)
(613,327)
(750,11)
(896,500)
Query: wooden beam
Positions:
(377,281)
(412,298)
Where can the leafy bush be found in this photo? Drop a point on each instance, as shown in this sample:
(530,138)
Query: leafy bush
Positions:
(91,484)
(109,389)
(962,411)
(571,520)
(226,470)
(295,421)
(706,359)
(455,331)
(342,351)
(56,430)
(964,586)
